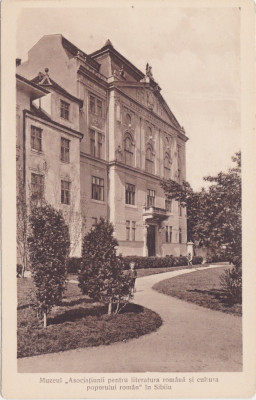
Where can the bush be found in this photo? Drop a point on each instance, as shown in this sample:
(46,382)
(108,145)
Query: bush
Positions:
(159,262)
(231,282)
(101,276)
(74,265)
(49,246)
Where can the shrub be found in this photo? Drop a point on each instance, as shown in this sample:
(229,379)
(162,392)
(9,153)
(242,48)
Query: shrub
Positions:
(49,246)
(159,262)
(231,282)
(101,276)
(74,265)
(197,260)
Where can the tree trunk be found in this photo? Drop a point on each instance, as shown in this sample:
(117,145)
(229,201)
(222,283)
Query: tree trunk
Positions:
(110,308)
(45,319)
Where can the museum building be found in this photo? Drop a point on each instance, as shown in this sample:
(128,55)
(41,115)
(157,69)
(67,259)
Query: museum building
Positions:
(95,137)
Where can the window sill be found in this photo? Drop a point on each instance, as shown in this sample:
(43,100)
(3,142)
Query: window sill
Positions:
(98,201)
(131,206)
(65,162)
(38,152)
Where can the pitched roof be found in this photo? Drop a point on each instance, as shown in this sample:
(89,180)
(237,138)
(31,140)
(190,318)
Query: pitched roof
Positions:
(43,80)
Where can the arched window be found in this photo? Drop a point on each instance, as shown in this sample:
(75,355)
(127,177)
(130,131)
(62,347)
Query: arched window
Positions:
(128,120)
(150,159)
(128,150)
(167,166)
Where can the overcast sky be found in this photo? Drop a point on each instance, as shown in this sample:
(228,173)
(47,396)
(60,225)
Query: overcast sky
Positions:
(195,58)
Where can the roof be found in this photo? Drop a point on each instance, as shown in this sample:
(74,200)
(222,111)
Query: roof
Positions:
(45,81)
(75,51)
(31,83)
(40,114)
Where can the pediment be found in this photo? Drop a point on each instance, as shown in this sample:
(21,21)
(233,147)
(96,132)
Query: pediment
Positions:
(152,100)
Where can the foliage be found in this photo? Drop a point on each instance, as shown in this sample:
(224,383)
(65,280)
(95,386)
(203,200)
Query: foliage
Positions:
(49,247)
(159,262)
(102,272)
(231,282)
(213,214)
(74,264)
(21,222)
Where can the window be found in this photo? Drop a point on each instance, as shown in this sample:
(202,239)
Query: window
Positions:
(167,166)
(92,143)
(168,205)
(128,228)
(149,160)
(95,106)
(36,138)
(97,188)
(37,186)
(128,120)
(65,192)
(180,210)
(133,230)
(99,108)
(94,221)
(100,140)
(168,234)
(150,198)
(64,156)
(128,153)
(180,235)
(64,109)
(129,194)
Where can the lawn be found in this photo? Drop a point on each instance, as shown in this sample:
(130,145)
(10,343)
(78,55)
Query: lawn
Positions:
(202,288)
(77,322)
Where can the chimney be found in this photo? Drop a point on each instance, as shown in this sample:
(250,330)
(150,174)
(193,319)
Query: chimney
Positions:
(18,61)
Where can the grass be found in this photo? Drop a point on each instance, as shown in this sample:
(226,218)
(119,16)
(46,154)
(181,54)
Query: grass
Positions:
(76,323)
(202,288)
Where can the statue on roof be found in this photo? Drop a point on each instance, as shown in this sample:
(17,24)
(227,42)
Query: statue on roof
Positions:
(149,71)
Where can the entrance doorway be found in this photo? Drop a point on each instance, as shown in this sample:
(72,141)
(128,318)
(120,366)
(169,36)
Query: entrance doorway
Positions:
(151,240)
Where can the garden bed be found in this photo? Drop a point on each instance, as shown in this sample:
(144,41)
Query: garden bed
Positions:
(76,323)
(202,288)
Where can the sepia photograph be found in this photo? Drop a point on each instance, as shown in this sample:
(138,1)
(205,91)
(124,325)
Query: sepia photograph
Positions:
(129,166)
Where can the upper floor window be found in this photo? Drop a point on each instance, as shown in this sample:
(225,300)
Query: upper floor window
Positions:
(167,166)
(129,194)
(92,143)
(128,120)
(97,188)
(128,150)
(37,186)
(100,141)
(36,138)
(64,154)
(65,192)
(150,160)
(64,109)
(168,205)
(150,198)
(95,106)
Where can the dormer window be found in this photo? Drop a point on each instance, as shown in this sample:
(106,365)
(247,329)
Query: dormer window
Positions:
(64,109)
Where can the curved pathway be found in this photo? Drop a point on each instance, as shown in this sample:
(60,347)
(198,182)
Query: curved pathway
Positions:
(191,339)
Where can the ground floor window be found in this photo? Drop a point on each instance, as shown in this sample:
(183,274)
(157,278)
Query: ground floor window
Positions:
(168,234)
(97,188)
(65,192)
(180,235)
(130,230)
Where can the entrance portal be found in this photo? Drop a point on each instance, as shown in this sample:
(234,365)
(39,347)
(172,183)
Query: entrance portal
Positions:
(151,240)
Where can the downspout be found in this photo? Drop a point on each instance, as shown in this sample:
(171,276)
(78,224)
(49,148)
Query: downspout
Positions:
(25,191)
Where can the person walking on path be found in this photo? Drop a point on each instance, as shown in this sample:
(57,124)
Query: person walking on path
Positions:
(189,257)
(132,273)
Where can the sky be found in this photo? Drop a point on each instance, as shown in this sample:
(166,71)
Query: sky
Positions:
(195,59)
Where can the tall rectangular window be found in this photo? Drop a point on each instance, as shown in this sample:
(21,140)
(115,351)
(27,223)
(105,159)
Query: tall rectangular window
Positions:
(168,234)
(65,192)
(128,228)
(133,230)
(99,108)
(180,210)
(150,198)
(97,188)
(180,235)
(168,205)
(95,106)
(64,109)
(36,138)
(37,186)
(100,140)
(64,154)
(129,194)
(92,105)
(92,143)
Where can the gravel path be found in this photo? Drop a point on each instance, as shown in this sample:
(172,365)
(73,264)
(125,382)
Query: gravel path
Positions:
(191,339)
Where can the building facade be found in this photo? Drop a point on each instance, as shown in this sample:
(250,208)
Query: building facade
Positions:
(120,140)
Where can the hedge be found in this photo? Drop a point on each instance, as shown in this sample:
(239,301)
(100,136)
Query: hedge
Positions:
(74,263)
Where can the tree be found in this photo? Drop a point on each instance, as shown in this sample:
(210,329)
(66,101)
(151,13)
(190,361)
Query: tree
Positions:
(102,272)
(213,214)
(21,221)
(49,247)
